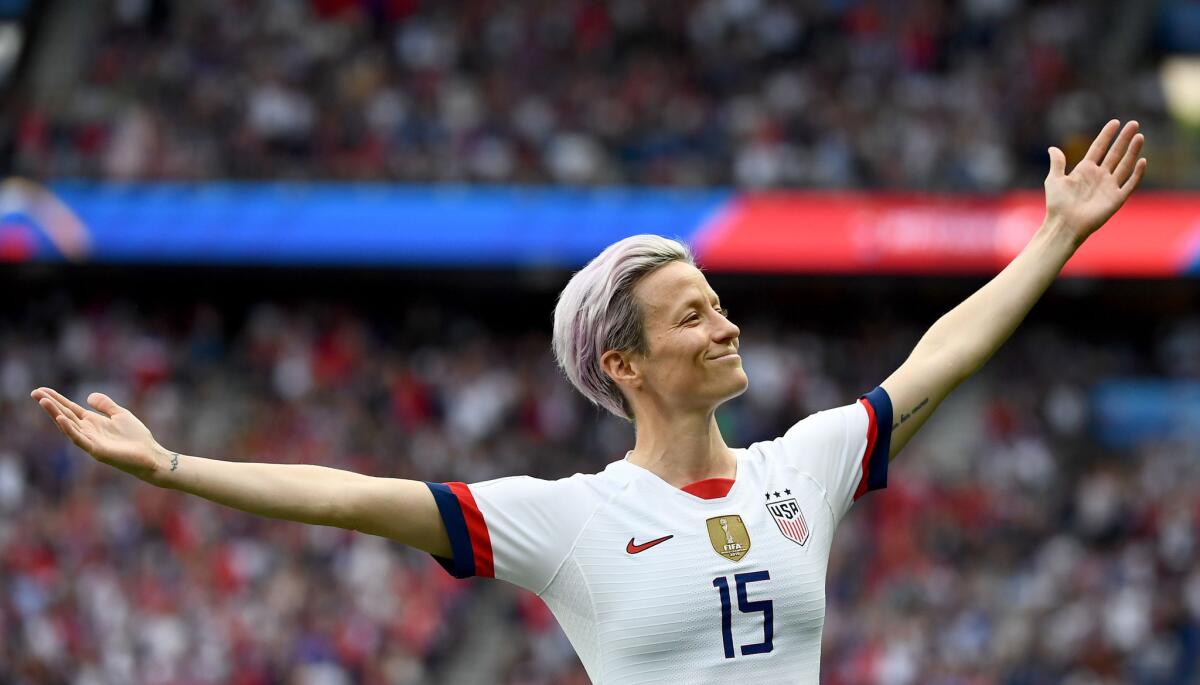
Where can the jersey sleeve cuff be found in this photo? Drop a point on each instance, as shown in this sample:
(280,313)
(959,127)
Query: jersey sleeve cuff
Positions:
(879,441)
(469,540)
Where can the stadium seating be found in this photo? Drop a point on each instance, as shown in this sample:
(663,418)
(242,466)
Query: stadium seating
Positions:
(1009,540)
(920,96)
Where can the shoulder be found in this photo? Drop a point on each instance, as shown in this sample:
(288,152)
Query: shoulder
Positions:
(580,488)
(822,431)
(517,528)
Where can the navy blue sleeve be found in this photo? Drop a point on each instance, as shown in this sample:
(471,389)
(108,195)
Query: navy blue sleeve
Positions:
(463,563)
(879,441)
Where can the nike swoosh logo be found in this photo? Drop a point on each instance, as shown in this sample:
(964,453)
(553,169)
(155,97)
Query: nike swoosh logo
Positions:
(634,549)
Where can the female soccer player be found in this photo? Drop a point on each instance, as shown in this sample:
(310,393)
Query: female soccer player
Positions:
(687,560)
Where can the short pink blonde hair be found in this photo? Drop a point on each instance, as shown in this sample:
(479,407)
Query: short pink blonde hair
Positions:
(597,312)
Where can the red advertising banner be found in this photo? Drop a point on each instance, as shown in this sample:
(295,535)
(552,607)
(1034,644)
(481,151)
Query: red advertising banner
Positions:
(1154,234)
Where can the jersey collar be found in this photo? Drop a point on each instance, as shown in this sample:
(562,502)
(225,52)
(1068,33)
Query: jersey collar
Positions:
(708,489)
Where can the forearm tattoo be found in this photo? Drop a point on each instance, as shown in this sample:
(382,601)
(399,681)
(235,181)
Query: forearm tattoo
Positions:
(174,460)
(909,415)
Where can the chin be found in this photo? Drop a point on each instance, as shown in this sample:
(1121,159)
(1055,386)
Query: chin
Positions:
(735,388)
(715,393)
(742,386)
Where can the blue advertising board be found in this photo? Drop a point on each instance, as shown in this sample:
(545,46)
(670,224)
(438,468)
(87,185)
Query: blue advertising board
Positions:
(332,224)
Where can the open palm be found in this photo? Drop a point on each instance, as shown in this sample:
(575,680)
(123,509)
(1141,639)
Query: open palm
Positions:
(1099,184)
(114,436)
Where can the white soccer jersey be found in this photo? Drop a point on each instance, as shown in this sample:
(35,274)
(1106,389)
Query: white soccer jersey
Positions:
(721,582)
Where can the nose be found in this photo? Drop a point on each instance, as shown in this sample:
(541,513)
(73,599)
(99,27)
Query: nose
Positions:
(725,330)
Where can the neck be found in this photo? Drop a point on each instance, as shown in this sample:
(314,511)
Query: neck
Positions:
(682,450)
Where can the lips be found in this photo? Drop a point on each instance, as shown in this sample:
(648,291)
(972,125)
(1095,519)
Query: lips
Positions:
(727,355)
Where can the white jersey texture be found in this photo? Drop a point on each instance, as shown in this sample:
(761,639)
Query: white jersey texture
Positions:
(654,584)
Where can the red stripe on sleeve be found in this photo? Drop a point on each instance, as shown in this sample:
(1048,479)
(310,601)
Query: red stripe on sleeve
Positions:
(481,541)
(866,459)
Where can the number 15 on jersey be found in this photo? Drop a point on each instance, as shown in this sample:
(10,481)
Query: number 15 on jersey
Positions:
(745,606)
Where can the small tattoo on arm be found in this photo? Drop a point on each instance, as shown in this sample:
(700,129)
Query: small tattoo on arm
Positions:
(909,415)
(174,460)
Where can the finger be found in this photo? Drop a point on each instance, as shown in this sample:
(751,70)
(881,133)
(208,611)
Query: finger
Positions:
(1136,179)
(104,404)
(79,411)
(54,409)
(1095,153)
(1058,163)
(72,431)
(1117,151)
(1125,168)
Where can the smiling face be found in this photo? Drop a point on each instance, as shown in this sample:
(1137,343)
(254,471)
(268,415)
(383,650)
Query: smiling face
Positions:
(690,361)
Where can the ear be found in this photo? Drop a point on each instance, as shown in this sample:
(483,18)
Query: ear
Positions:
(621,368)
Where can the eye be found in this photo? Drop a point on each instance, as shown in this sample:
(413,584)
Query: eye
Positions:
(723,311)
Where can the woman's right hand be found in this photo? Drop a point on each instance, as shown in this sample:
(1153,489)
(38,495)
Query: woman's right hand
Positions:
(113,436)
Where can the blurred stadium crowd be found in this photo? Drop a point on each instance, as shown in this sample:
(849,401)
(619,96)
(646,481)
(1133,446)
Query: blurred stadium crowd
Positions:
(923,95)
(1008,548)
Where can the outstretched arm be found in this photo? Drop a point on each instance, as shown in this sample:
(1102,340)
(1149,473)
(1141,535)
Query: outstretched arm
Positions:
(959,343)
(403,510)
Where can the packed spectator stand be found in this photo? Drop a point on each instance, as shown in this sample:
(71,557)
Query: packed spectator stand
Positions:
(1009,546)
(921,95)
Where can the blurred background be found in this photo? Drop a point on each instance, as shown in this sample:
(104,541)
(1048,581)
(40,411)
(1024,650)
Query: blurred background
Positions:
(333,232)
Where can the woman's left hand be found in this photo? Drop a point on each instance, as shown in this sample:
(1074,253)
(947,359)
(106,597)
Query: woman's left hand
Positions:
(1084,199)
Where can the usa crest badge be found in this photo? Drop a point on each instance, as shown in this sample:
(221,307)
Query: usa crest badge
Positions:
(790,519)
(729,536)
